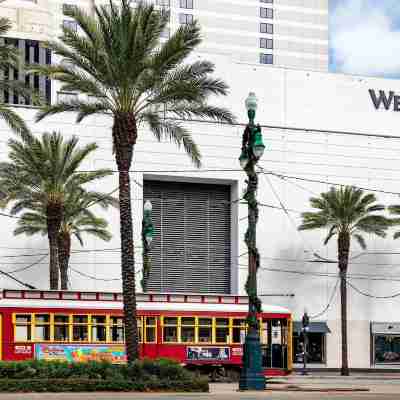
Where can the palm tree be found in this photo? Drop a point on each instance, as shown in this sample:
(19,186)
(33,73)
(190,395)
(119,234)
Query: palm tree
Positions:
(9,58)
(119,62)
(77,220)
(395,210)
(348,213)
(40,174)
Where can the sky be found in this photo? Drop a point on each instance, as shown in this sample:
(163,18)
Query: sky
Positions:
(365,37)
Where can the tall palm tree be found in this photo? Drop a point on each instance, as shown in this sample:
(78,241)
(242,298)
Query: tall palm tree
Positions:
(117,59)
(9,58)
(77,221)
(395,210)
(40,174)
(347,213)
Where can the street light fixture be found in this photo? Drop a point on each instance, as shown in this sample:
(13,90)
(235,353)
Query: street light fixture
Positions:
(251,377)
(147,239)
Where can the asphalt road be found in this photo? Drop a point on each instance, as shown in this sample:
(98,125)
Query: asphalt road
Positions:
(214,396)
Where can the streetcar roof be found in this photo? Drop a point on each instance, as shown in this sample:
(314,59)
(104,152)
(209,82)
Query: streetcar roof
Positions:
(146,302)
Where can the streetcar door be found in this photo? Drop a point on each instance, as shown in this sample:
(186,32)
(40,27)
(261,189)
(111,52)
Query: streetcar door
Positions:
(274,343)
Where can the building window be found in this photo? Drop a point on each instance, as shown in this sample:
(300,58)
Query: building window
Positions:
(69,8)
(70,25)
(266,43)
(31,52)
(266,59)
(165,33)
(66,96)
(266,28)
(387,349)
(316,342)
(186,4)
(266,12)
(185,19)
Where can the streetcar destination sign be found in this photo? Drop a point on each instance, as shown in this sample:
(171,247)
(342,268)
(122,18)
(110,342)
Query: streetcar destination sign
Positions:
(385,100)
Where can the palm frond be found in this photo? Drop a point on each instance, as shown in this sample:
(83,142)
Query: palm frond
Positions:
(176,132)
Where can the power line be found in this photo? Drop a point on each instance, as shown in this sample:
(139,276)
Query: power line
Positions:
(282,176)
(28,266)
(99,279)
(329,302)
(392,296)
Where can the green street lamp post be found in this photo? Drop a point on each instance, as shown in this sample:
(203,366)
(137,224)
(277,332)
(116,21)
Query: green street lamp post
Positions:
(147,238)
(305,322)
(252,377)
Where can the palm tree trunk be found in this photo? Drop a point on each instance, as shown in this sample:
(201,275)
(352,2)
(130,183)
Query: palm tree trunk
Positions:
(54,217)
(124,137)
(343,255)
(64,252)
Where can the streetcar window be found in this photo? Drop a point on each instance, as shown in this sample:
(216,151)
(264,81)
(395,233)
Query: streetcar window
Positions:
(221,330)
(139,329)
(170,329)
(80,319)
(188,327)
(238,330)
(264,331)
(116,329)
(205,330)
(61,328)
(80,328)
(23,328)
(150,329)
(98,328)
(42,327)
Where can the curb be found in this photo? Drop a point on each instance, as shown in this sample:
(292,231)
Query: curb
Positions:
(293,388)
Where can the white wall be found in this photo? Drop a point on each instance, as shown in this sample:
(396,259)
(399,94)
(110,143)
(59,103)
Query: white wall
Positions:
(288,99)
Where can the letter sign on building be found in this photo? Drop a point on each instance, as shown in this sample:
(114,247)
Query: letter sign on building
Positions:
(385,100)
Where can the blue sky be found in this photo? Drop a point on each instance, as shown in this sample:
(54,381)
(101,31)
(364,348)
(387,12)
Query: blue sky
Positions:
(365,37)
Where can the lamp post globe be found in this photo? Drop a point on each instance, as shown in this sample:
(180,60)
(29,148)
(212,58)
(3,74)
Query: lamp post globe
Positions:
(148,206)
(251,102)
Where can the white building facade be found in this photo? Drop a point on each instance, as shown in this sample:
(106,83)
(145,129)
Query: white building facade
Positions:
(319,128)
(284,33)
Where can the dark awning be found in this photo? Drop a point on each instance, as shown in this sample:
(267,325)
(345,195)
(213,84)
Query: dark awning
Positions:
(314,327)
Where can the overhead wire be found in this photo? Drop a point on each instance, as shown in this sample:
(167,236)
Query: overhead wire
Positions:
(329,304)
(359,291)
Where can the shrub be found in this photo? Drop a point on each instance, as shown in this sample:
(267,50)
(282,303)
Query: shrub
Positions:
(92,385)
(142,375)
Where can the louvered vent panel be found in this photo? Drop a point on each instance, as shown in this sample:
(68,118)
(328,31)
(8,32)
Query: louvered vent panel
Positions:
(191,251)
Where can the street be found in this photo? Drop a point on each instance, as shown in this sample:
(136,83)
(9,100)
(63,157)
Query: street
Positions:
(380,388)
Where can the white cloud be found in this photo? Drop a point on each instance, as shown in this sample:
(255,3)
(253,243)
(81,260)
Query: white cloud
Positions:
(364,37)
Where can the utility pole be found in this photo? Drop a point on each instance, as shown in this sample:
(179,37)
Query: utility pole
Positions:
(252,377)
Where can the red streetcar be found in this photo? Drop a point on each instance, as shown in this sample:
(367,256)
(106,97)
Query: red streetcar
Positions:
(199,330)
